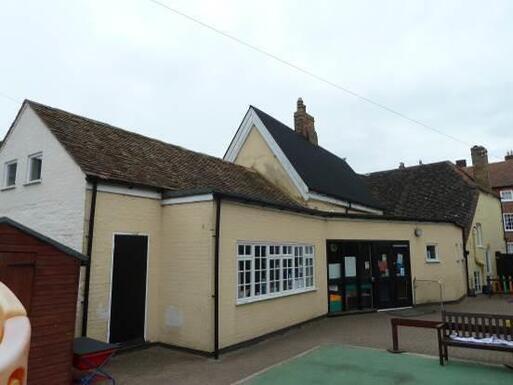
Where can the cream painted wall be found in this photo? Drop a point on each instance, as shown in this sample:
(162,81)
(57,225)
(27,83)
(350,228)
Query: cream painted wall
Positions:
(185,305)
(489,215)
(117,213)
(257,155)
(243,322)
(54,207)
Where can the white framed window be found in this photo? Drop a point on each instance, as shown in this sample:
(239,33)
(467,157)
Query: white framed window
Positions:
(477,282)
(432,253)
(266,270)
(509,248)
(507,195)
(508,221)
(34,167)
(488,259)
(479,235)
(10,171)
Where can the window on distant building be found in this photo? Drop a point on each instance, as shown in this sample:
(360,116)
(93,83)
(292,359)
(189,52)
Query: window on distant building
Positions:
(479,235)
(507,195)
(35,163)
(271,270)
(510,248)
(432,253)
(488,260)
(10,170)
(508,221)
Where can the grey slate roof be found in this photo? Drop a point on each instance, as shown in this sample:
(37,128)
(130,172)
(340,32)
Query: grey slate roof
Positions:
(59,246)
(322,171)
(437,191)
(113,154)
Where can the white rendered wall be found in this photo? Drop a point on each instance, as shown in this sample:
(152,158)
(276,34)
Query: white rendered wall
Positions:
(55,207)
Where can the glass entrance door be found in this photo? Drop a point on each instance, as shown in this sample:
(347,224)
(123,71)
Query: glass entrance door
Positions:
(383,280)
(349,276)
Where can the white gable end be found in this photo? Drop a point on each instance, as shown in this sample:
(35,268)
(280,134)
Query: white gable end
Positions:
(55,206)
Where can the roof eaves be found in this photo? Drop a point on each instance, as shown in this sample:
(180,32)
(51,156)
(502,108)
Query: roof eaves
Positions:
(65,249)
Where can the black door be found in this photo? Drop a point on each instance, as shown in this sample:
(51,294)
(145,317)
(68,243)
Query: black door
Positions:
(391,265)
(384,292)
(402,274)
(128,299)
(349,277)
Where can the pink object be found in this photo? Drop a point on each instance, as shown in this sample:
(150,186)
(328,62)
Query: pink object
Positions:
(14,339)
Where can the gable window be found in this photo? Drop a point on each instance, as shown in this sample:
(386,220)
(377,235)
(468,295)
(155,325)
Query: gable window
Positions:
(10,170)
(508,221)
(507,195)
(271,270)
(479,235)
(432,253)
(35,163)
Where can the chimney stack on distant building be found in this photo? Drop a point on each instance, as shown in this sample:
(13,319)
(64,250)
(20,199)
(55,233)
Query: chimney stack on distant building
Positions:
(304,123)
(480,166)
(461,163)
(509,155)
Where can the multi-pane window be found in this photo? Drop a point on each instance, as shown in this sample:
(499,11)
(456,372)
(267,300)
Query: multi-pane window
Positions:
(508,221)
(507,195)
(260,270)
(244,263)
(309,266)
(509,250)
(10,170)
(35,163)
(268,270)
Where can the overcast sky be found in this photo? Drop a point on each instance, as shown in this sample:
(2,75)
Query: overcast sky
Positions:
(133,64)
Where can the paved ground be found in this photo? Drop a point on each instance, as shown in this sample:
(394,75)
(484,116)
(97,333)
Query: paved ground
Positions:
(338,364)
(164,366)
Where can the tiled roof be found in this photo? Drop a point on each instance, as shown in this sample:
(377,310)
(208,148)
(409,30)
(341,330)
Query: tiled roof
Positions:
(111,153)
(437,191)
(501,173)
(322,171)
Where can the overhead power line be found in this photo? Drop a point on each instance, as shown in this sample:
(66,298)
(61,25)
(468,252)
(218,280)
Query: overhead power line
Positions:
(309,73)
(10,98)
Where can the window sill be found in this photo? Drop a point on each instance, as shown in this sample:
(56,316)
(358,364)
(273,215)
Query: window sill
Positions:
(274,296)
(432,261)
(8,188)
(32,182)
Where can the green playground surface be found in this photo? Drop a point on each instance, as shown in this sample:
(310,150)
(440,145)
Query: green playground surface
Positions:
(347,365)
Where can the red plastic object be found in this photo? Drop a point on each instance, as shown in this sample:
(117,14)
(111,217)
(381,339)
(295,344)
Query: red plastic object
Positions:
(91,360)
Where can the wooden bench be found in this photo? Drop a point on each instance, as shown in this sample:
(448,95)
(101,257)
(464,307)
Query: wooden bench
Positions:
(474,325)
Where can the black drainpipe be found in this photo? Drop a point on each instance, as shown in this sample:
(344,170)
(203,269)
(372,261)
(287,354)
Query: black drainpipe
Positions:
(90,232)
(465,256)
(216,277)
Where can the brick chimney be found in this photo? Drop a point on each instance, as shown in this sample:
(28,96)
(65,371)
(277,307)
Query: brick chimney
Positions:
(480,165)
(461,163)
(304,123)
(509,155)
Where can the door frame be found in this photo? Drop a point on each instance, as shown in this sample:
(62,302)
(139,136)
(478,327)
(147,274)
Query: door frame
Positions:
(147,280)
(372,242)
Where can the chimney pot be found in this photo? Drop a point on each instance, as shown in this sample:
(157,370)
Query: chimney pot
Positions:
(401,165)
(304,123)
(461,163)
(509,155)
(480,165)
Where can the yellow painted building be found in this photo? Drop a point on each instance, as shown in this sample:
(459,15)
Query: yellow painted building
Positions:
(200,253)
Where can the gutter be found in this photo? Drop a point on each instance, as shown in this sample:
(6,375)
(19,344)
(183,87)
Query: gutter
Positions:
(216,275)
(90,233)
(465,257)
